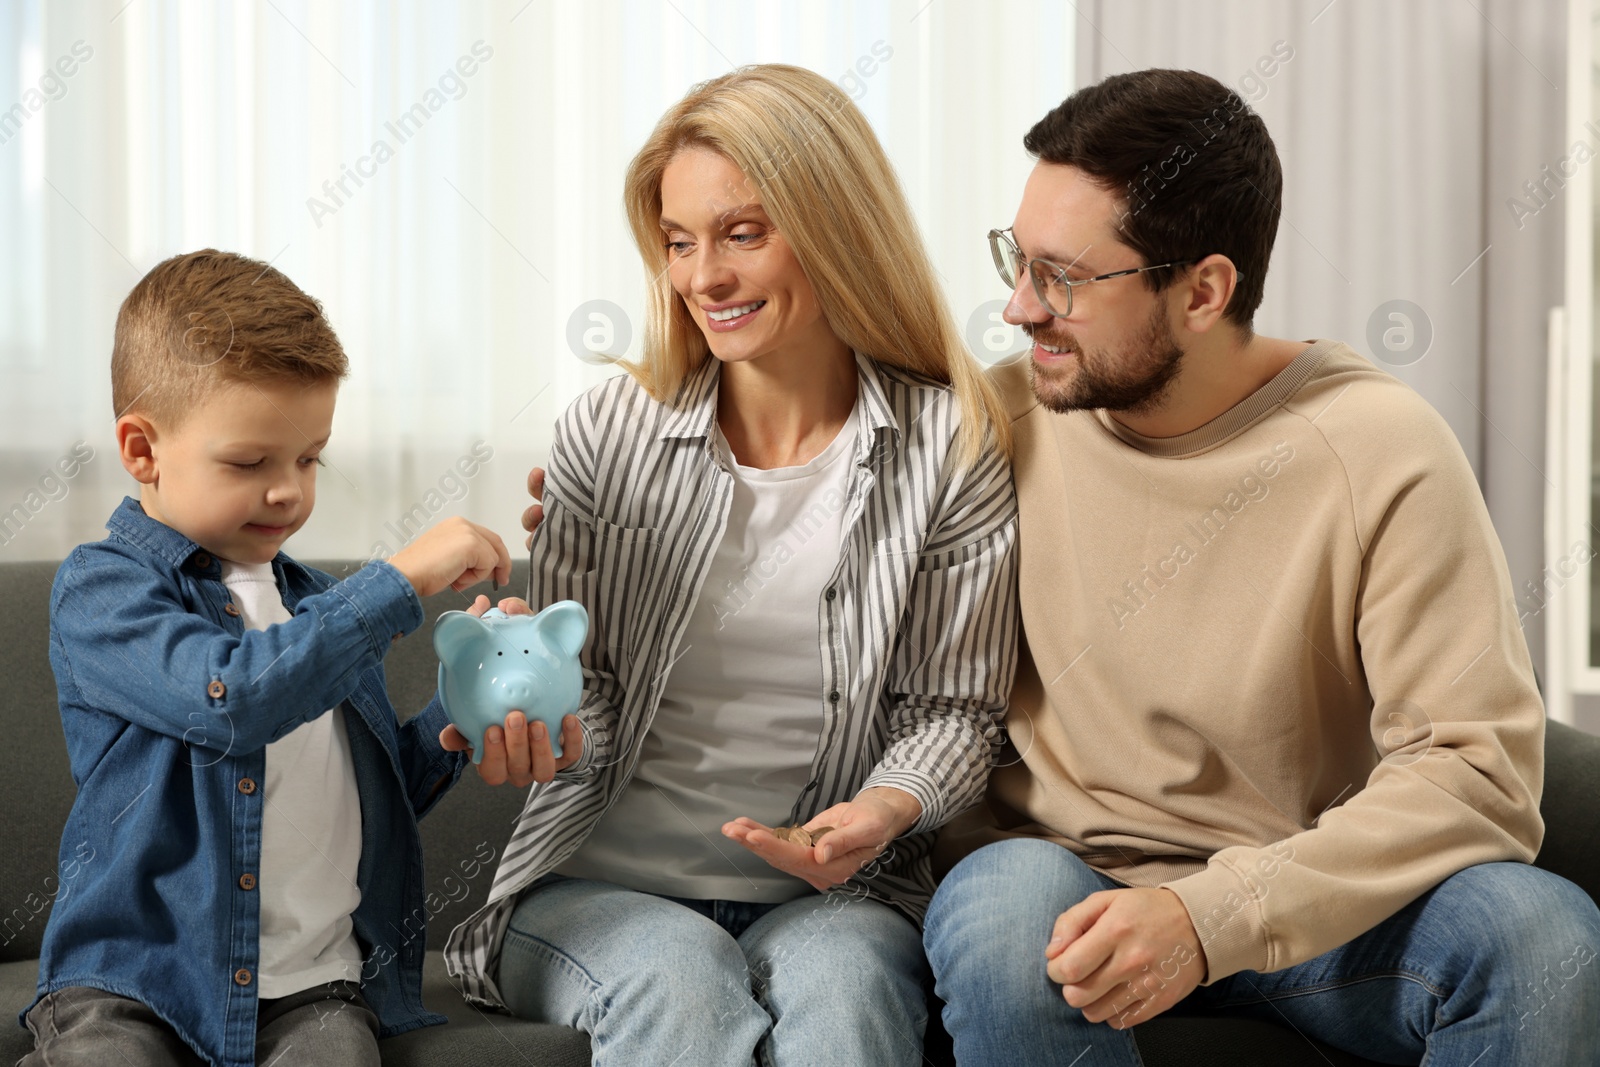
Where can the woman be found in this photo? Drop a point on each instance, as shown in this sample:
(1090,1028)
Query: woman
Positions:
(793,526)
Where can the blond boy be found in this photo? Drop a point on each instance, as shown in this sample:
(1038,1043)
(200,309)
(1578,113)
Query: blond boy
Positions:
(244,784)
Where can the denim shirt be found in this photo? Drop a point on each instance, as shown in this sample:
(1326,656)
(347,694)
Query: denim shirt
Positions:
(168,704)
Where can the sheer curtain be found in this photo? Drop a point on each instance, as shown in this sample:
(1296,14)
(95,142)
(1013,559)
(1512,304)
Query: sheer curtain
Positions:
(447,179)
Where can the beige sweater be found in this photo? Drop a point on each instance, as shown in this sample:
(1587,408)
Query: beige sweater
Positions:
(1273,664)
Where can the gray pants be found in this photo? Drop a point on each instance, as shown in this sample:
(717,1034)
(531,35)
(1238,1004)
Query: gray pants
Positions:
(327,1024)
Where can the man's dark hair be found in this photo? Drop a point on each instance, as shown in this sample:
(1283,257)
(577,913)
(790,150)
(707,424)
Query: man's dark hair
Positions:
(1192,162)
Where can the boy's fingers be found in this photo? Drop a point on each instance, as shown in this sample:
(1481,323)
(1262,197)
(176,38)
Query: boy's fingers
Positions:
(532,516)
(536,483)
(450,740)
(489,559)
(502,567)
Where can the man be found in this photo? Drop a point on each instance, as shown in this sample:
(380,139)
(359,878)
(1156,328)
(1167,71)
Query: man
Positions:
(1276,746)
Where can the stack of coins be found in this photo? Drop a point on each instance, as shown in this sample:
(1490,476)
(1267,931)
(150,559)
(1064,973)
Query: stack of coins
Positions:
(799,834)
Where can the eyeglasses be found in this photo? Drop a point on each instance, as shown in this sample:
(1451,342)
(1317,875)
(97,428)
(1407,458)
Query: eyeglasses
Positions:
(1050,282)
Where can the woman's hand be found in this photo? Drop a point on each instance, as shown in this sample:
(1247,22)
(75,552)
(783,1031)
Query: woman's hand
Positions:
(535,513)
(518,752)
(862,828)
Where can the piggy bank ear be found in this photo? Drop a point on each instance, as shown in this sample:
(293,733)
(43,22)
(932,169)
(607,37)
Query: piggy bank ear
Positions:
(564,624)
(454,631)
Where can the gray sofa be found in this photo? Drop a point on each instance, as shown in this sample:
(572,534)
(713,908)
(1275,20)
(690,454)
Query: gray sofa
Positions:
(474,820)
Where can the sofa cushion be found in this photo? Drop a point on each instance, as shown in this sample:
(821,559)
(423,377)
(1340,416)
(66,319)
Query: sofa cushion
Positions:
(480,1038)
(483,1039)
(36,791)
(17,982)
(1571,845)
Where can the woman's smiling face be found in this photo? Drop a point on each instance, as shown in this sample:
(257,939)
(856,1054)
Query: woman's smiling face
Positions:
(736,274)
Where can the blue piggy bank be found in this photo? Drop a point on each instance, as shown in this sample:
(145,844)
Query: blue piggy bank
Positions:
(492,665)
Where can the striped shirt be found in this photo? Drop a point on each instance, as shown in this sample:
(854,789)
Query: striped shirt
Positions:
(917,626)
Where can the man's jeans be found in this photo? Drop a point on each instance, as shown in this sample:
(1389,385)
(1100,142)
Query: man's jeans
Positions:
(1495,965)
(827,979)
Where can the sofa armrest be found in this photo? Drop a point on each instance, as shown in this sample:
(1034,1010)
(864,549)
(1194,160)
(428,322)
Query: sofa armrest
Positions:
(1571,785)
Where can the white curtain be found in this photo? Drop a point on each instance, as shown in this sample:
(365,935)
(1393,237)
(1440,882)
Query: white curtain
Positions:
(1405,131)
(447,179)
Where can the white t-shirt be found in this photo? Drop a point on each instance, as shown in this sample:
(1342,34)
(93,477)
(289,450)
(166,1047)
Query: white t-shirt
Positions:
(310,830)
(742,712)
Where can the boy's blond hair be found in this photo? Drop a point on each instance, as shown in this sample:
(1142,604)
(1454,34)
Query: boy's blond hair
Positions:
(208,317)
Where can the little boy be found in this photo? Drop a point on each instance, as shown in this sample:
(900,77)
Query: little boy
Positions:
(247,791)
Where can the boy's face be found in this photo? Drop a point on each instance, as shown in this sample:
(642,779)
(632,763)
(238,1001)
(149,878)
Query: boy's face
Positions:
(238,475)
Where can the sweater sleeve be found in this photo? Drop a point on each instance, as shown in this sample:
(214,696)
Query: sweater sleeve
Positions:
(1456,720)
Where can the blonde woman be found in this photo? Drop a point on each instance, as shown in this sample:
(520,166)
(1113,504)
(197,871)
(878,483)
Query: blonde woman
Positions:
(794,529)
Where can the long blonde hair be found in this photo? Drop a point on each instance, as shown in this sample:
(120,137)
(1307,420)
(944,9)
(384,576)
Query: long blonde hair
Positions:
(826,184)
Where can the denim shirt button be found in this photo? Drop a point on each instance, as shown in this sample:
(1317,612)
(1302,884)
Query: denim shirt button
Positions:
(201,560)
(216,689)
(247,881)
(247,786)
(231,610)
(242,976)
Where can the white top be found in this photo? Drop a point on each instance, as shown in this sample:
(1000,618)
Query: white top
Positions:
(310,830)
(742,711)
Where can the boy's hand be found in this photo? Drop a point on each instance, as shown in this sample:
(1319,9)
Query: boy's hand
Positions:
(454,553)
(535,513)
(518,753)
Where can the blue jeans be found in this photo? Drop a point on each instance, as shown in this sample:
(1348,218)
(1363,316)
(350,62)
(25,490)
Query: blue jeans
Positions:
(824,979)
(1497,964)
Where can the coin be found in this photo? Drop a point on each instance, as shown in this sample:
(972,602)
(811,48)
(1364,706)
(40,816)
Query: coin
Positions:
(799,835)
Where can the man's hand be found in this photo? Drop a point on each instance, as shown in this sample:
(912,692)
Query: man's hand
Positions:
(518,753)
(454,553)
(862,828)
(1125,956)
(535,513)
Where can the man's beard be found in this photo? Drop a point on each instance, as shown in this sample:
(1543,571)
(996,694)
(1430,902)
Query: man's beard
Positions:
(1133,381)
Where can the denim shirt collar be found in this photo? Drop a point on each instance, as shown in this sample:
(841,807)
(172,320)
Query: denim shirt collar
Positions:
(131,523)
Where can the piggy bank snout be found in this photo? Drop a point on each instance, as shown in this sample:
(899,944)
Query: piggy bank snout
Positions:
(517,691)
